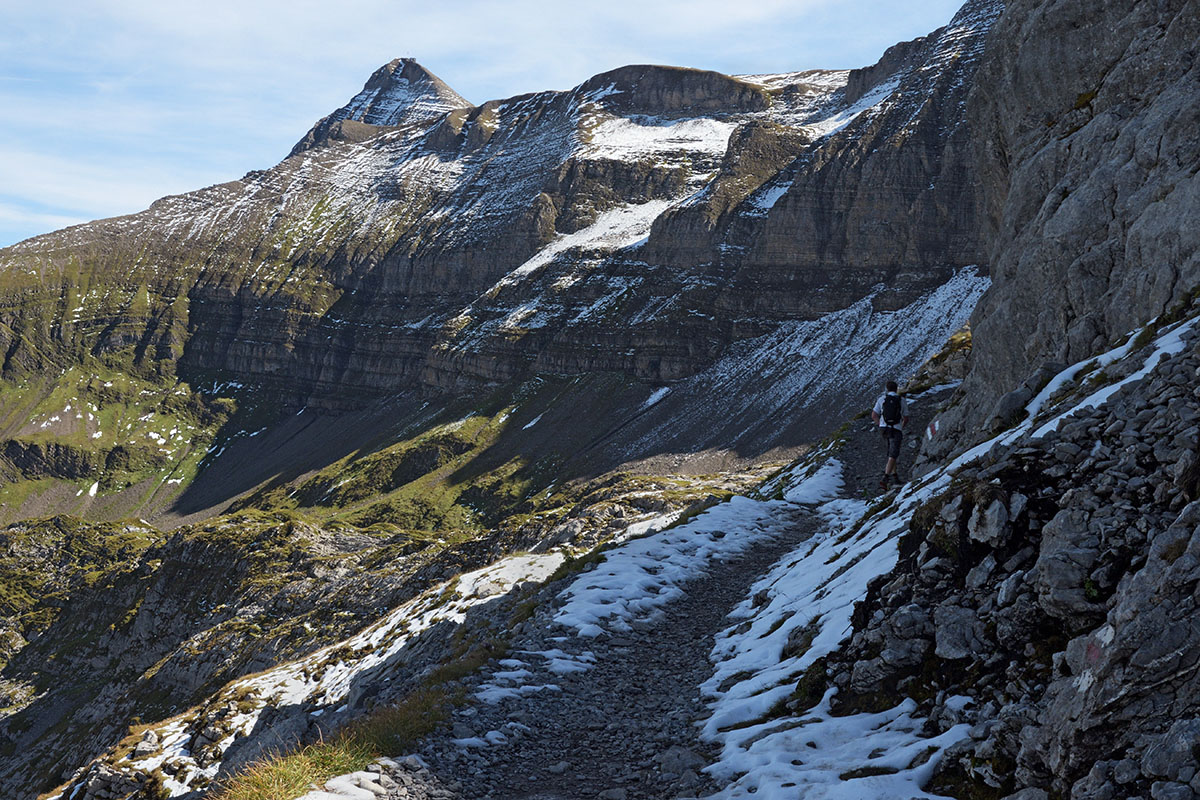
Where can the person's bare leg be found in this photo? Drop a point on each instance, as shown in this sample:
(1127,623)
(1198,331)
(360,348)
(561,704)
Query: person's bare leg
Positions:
(891,467)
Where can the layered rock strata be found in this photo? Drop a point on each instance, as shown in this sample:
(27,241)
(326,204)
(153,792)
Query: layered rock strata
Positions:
(639,223)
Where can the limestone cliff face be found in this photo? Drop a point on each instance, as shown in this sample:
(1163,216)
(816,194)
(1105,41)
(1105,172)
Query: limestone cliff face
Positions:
(641,223)
(1088,143)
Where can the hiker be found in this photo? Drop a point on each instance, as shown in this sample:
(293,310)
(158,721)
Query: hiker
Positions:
(891,415)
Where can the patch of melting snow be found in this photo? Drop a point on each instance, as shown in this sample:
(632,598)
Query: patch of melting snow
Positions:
(637,579)
(765,199)
(627,138)
(827,80)
(532,422)
(656,395)
(615,229)
(1167,343)
(835,122)
(822,484)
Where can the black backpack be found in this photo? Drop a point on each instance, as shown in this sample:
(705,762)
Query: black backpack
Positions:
(891,409)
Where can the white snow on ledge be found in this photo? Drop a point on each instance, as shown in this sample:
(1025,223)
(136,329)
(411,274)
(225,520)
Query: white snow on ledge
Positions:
(638,578)
(630,138)
(1167,343)
(656,395)
(615,229)
(834,123)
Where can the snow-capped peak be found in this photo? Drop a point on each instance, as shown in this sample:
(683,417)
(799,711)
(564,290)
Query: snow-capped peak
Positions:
(401,92)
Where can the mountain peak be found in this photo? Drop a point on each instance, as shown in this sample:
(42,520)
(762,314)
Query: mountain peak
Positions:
(401,91)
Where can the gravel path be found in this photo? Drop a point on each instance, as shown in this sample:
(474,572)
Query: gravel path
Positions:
(623,729)
(863,456)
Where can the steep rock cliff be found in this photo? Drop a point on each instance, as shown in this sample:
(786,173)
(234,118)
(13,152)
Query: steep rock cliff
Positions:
(1087,142)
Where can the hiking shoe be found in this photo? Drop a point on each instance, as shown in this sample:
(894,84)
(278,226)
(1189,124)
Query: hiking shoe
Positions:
(883,483)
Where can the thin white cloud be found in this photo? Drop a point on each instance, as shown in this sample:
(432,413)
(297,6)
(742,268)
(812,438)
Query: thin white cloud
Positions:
(83,187)
(21,215)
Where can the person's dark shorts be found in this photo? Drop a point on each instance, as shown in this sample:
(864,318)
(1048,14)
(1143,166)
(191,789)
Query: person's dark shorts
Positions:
(891,440)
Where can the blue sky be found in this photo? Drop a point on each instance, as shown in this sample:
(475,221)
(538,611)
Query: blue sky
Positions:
(107,105)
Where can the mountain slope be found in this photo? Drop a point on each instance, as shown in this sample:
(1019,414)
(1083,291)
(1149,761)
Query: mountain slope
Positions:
(425,250)
(437,334)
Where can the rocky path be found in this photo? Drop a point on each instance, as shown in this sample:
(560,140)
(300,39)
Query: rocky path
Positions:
(863,456)
(565,717)
(607,718)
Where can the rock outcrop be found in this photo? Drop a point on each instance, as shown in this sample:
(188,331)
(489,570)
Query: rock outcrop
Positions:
(1052,584)
(1087,143)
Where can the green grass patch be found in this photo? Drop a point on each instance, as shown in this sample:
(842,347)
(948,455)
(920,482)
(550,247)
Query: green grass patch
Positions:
(382,732)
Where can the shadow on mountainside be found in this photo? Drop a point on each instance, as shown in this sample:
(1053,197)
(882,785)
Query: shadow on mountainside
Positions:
(558,431)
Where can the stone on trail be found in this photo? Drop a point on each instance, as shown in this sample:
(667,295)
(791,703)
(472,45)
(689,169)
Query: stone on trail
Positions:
(679,759)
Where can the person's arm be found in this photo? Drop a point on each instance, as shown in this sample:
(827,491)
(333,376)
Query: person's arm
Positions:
(875,416)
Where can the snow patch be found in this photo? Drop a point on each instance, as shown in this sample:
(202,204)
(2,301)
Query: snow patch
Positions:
(823,484)
(637,579)
(656,395)
(634,138)
(617,228)
(835,122)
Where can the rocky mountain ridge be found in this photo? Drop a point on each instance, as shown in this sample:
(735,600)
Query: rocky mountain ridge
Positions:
(639,225)
(1011,623)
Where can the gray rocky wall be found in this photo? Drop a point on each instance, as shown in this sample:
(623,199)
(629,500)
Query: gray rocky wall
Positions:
(1088,144)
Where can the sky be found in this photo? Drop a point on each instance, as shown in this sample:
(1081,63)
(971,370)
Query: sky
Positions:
(107,105)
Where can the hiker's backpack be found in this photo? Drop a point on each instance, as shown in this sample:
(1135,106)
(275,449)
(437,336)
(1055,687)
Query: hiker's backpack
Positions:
(891,409)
